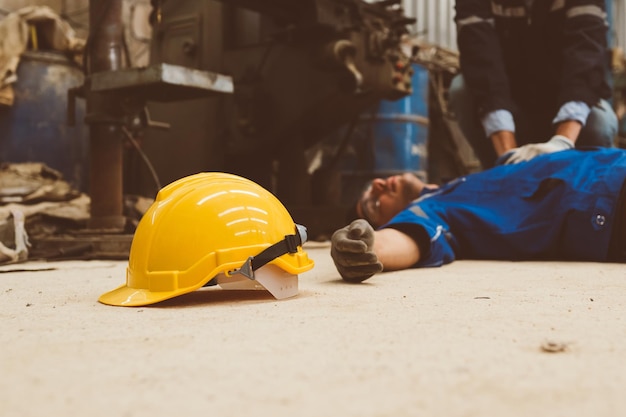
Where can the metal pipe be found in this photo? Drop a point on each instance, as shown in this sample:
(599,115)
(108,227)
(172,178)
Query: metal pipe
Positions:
(104,116)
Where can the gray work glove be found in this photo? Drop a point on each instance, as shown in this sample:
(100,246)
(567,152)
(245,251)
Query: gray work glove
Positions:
(351,250)
(527,152)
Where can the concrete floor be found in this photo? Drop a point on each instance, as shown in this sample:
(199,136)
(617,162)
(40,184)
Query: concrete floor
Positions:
(468,339)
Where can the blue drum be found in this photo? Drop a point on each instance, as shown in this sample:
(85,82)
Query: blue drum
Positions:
(35,128)
(390,140)
(399,131)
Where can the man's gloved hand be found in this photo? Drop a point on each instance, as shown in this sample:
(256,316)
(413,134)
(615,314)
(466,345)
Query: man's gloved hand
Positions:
(527,152)
(351,250)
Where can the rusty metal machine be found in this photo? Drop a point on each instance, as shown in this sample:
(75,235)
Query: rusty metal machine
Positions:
(300,69)
(242,86)
(116,97)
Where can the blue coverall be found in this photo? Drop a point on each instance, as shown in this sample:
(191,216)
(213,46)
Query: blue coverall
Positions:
(562,206)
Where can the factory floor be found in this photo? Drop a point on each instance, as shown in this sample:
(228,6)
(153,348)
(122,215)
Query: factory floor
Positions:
(468,339)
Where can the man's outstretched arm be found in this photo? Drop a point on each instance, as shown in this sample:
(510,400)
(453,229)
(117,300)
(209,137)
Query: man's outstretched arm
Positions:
(359,252)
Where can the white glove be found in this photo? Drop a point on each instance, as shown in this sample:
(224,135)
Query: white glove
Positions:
(527,152)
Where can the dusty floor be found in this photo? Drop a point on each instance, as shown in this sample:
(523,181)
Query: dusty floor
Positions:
(468,339)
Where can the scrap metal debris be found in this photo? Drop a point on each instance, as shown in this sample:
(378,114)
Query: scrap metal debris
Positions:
(43,217)
(33,182)
(13,238)
(14,36)
(436,57)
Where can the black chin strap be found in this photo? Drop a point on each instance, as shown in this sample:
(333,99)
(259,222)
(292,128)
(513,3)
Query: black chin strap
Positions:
(288,245)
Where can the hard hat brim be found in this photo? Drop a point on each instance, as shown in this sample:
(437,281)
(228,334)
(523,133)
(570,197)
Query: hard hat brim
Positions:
(281,284)
(135,297)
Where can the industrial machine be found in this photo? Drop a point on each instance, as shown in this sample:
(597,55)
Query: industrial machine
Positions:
(240,86)
(300,70)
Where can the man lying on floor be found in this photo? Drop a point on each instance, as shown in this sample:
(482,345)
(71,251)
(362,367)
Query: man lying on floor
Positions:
(562,206)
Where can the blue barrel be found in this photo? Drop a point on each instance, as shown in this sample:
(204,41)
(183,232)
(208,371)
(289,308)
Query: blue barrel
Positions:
(35,128)
(399,132)
(392,139)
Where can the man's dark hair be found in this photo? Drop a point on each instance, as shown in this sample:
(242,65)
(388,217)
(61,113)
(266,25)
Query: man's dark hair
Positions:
(351,213)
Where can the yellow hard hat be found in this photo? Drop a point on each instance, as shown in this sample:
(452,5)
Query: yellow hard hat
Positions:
(212,225)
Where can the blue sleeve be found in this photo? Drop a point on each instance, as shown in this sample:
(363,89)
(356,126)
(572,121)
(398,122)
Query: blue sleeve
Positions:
(438,250)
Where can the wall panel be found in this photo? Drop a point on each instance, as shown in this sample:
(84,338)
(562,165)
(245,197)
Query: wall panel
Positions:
(435,21)
(618,35)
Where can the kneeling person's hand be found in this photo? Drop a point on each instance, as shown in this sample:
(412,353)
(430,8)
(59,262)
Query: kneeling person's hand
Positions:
(527,152)
(352,251)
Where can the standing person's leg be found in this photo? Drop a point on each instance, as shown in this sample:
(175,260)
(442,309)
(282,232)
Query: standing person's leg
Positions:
(461,103)
(601,127)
